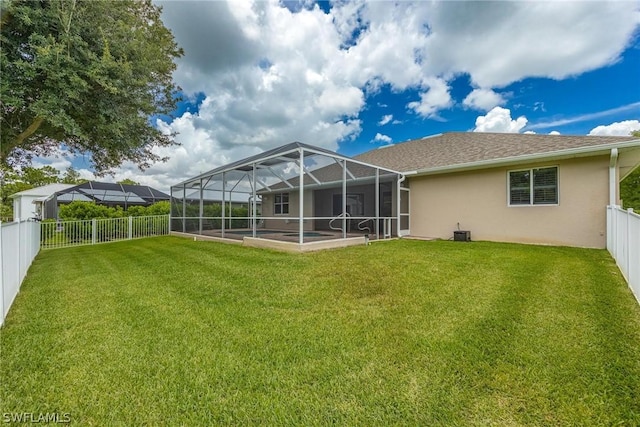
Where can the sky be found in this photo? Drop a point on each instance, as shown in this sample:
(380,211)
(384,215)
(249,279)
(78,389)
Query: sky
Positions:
(352,76)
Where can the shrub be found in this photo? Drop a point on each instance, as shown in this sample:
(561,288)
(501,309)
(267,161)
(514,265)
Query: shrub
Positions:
(89,210)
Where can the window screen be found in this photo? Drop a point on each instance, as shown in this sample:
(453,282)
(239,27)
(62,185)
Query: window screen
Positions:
(520,187)
(545,186)
(534,186)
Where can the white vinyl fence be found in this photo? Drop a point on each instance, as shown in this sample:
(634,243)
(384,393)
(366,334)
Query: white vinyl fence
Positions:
(19,245)
(62,234)
(623,243)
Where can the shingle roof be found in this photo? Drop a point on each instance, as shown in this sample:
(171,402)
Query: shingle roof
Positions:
(460,148)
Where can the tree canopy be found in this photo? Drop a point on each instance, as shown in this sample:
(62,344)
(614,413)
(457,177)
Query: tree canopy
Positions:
(29,177)
(128,181)
(630,186)
(86,75)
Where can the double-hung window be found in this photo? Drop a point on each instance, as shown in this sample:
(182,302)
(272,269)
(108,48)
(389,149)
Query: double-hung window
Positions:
(533,186)
(281,204)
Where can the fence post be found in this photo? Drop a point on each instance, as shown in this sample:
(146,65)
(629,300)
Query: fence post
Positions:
(94,230)
(1,280)
(130,227)
(19,243)
(628,239)
(614,228)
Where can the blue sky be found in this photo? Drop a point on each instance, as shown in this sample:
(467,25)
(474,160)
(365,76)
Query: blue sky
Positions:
(352,76)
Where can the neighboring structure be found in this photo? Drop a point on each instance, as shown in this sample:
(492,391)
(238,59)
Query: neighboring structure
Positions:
(28,203)
(525,188)
(102,193)
(42,202)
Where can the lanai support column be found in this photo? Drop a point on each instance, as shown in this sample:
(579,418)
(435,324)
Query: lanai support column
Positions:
(301,201)
(377,204)
(253,201)
(223,204)
(344,199)
(201,210)
(184,208)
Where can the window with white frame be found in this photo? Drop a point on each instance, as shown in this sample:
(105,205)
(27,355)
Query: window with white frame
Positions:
(281,204)
(538,186)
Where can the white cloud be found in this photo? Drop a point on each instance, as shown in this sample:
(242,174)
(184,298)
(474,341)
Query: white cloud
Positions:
(502,42)
(60,159)
(554,132)
(385,119)
(499,120)
(483,99)
(633,107)
(623,128)
(436,98)
(271,76)
(382,138)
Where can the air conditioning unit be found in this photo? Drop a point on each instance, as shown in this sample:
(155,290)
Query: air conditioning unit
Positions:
(462,236)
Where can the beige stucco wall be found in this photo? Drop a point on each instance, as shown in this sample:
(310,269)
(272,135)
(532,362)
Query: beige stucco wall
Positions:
(478,201)
(319,203)
(290,221)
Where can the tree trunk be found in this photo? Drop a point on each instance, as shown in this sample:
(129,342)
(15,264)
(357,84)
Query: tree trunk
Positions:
(33,127)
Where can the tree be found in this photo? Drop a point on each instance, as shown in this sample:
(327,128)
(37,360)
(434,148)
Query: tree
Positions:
(71,176)
(128,181)
(37,177)
(630,186)
(88,75)
(14,181)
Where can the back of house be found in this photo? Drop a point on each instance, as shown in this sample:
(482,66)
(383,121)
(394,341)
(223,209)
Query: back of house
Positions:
(526,188)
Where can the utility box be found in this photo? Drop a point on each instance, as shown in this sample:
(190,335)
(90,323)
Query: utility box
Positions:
(462,236)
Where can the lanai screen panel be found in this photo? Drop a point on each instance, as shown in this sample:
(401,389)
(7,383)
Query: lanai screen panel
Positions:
(266,193)
(177,220)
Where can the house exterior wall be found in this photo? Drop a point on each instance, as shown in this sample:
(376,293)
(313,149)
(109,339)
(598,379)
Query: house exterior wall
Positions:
(288,221)
(319,203)
(324,203)
(478,200)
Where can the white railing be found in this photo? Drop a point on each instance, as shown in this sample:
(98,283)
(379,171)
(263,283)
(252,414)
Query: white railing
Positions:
(63,234)
(19,245)
(623,243)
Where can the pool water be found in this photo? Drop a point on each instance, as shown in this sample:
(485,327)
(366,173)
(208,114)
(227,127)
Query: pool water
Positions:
(250,233)
(308,234)
(283,233)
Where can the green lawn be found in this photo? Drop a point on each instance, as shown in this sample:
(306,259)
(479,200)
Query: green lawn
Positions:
(168,331)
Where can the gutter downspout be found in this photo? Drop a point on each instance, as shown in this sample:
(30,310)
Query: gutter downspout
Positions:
(612,226)
(400,181)
(613,182)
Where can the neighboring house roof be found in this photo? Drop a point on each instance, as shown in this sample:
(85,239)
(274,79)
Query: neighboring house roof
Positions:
(43,191)
(106,192)
(474,150)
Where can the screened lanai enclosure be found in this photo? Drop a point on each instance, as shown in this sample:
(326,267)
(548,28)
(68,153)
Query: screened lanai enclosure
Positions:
(295,193)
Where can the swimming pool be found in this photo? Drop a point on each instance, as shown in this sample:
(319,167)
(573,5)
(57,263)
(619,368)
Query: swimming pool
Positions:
(308,234)
(282,233)
(250,232)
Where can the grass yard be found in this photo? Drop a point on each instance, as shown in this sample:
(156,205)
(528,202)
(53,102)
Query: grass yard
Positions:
(167,331)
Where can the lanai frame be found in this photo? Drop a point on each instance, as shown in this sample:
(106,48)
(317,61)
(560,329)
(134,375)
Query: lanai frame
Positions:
(294,167)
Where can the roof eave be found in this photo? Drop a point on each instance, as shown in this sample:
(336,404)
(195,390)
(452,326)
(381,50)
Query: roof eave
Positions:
(596,150)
